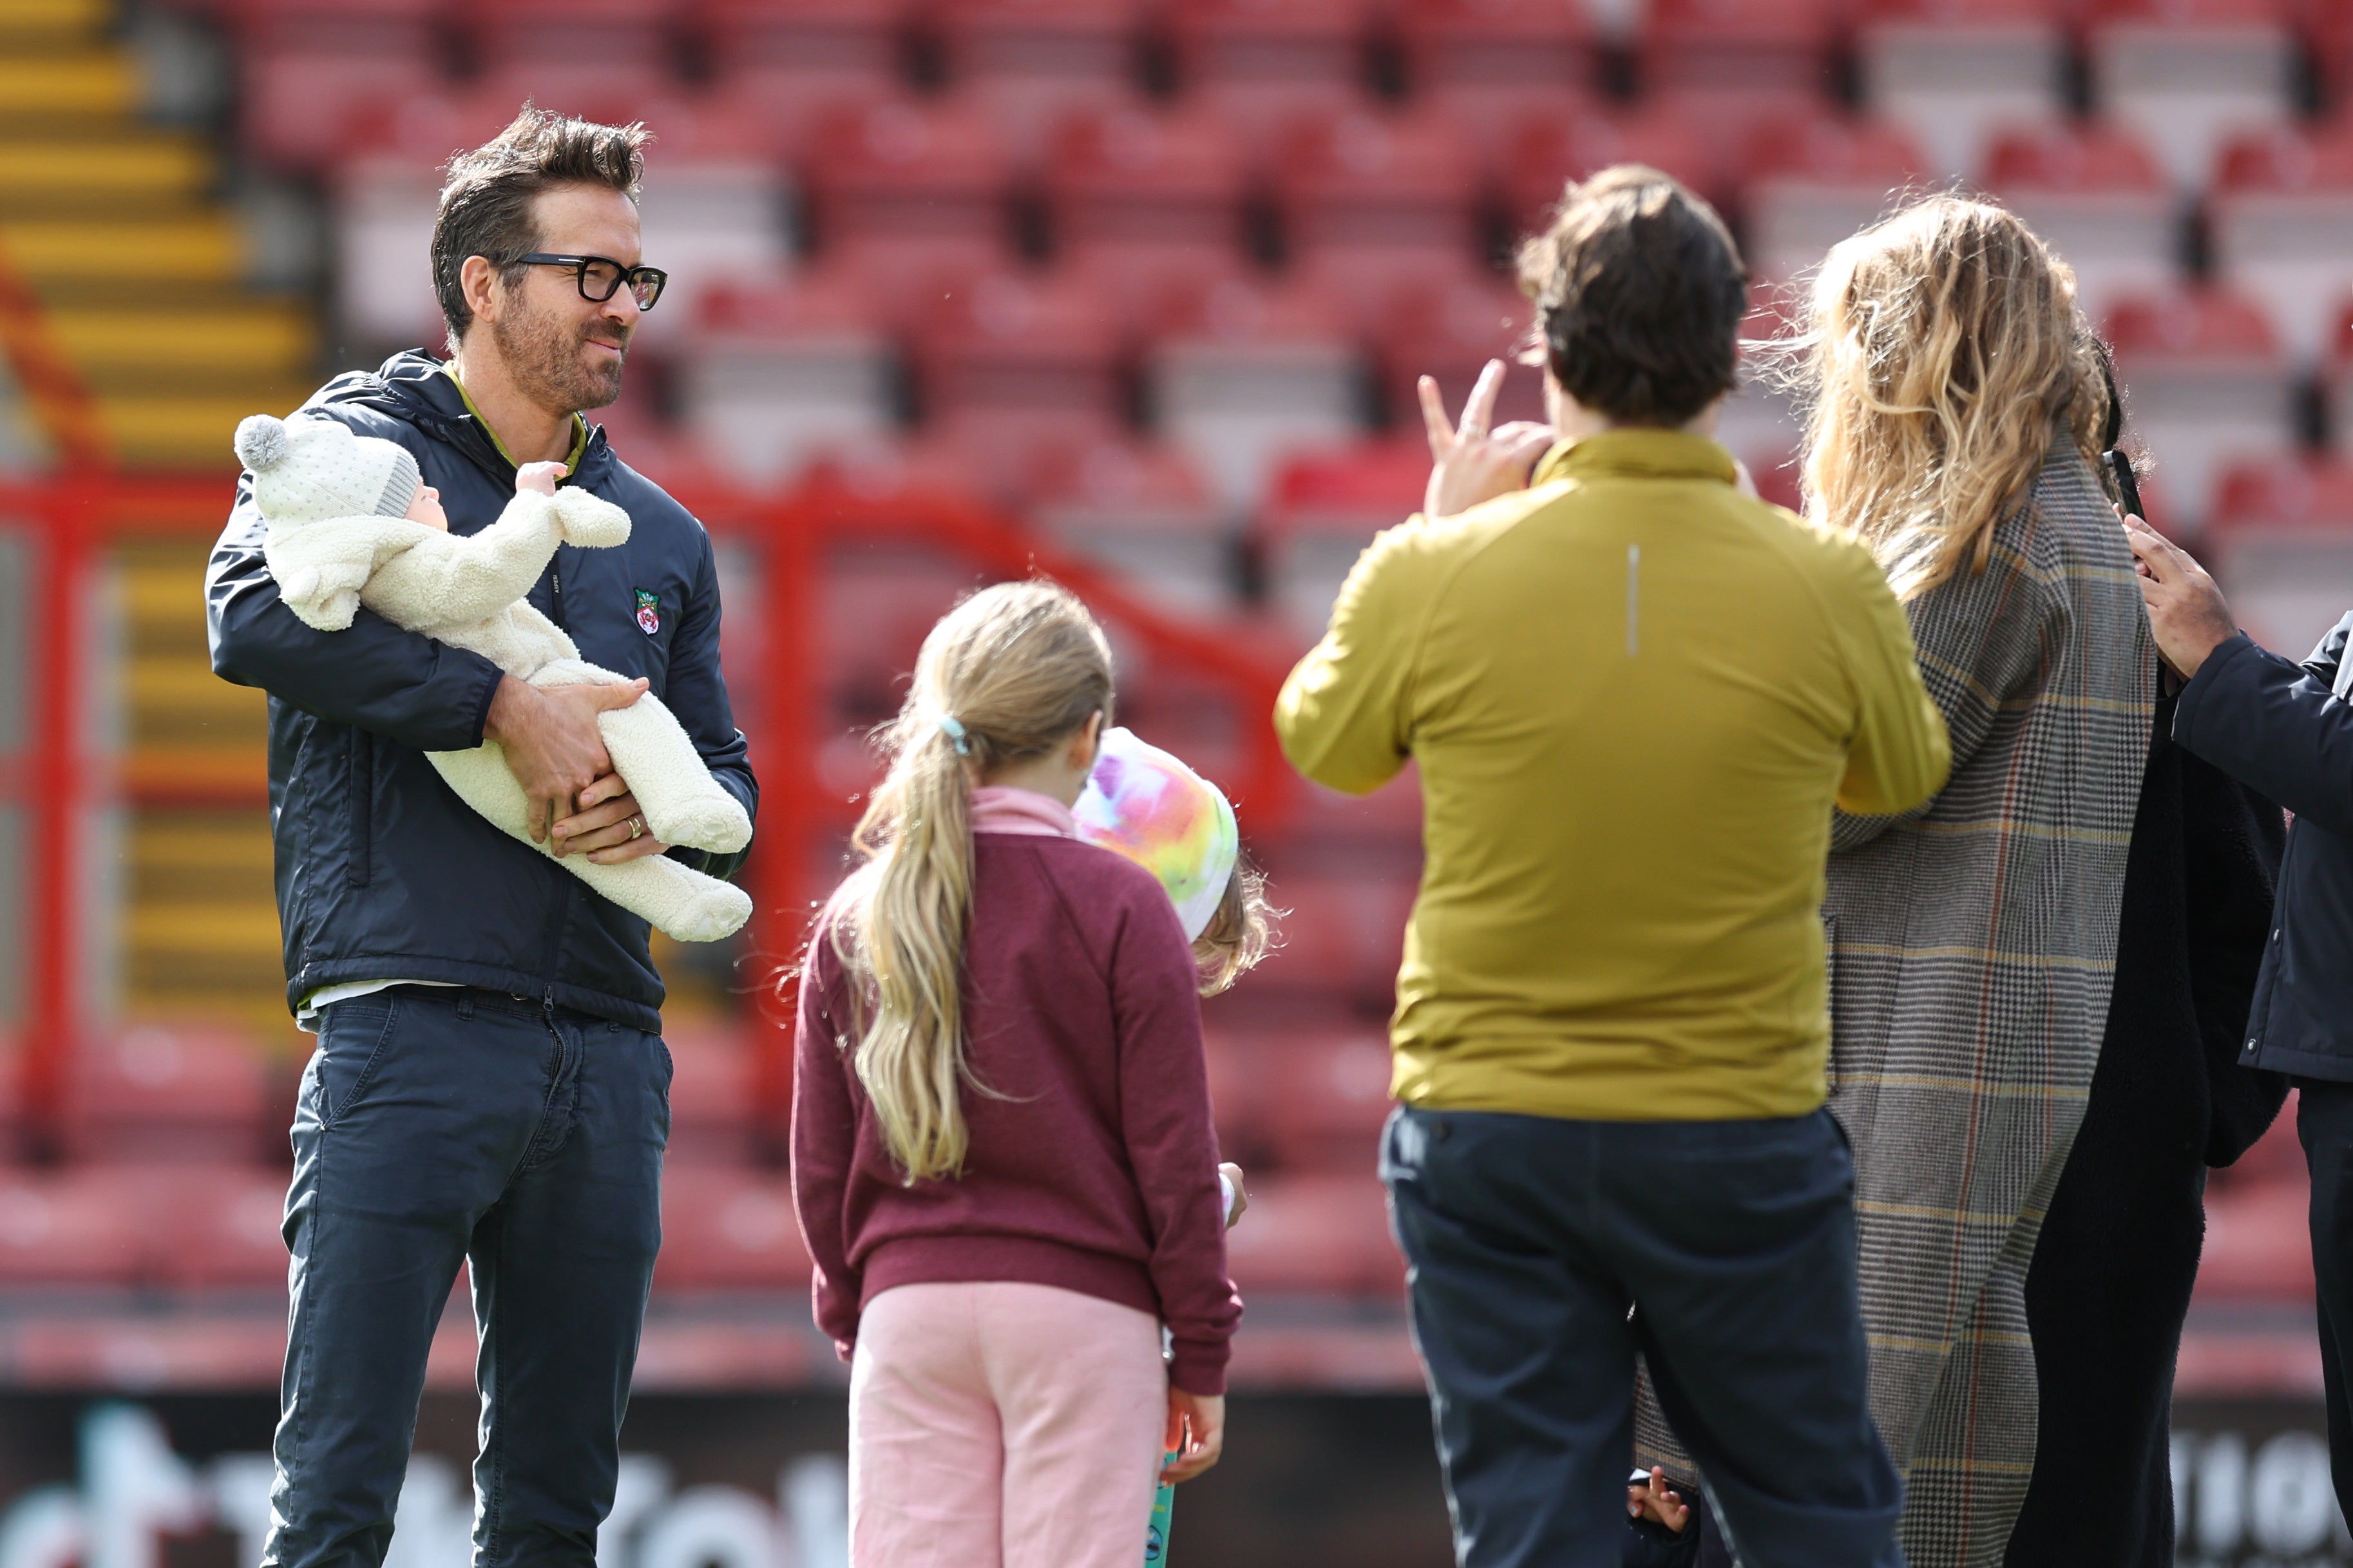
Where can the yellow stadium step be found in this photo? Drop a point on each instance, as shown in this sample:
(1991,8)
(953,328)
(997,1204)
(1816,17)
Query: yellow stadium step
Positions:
(168,253)
(36,86)
(191,432)
(254,336)
(179,702)
(213,858)
(129,175)
(33,19)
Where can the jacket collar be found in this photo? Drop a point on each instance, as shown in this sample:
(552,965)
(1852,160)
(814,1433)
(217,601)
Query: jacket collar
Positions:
(1637,453)
(414,385)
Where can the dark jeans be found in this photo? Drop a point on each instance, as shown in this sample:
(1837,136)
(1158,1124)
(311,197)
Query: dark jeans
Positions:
(2323,1124)
(441,1126)
(1544,1253)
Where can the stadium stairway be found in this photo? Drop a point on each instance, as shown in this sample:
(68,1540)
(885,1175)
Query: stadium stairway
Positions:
(118,229)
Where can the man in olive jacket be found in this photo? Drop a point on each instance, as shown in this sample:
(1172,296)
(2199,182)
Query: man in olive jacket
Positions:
(1634,694)
(490,1086)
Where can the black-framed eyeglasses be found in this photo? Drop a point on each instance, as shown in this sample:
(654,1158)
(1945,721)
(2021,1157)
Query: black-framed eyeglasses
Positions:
(600,277)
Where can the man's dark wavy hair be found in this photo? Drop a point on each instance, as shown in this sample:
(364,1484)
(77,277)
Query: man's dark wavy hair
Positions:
(486,208)
(1639,294)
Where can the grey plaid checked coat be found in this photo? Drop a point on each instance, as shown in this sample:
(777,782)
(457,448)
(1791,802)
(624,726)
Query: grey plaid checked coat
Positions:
(1972,951)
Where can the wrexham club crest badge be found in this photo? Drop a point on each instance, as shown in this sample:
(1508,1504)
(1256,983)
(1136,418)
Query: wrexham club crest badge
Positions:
(649,612)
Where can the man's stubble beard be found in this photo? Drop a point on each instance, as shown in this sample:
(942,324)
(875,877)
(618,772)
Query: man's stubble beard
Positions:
(543,352)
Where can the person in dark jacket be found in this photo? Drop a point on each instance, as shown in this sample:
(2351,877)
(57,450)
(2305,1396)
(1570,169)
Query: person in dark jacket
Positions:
(2285,729)
(2110,1283)
(490,1086)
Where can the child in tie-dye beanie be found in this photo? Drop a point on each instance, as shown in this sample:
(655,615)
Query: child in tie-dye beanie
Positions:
(1150,807)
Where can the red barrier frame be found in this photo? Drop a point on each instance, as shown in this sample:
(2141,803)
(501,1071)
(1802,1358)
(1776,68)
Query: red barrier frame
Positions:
(75,516)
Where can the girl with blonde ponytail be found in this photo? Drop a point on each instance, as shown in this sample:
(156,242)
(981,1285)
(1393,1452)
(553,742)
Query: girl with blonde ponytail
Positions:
(1002,1152)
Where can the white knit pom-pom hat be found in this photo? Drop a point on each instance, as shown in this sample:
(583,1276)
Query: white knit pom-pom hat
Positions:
(308,470)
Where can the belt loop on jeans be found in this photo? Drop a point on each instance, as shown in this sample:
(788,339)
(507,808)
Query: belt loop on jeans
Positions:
(466,1006)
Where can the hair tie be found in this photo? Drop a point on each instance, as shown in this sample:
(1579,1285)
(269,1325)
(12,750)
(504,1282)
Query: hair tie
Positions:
(956,732)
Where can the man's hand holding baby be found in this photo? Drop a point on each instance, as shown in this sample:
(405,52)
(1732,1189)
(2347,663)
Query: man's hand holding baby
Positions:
(608,827)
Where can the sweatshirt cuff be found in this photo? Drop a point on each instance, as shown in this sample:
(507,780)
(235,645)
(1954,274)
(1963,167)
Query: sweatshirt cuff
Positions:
(482,709)
(1198,1368)
(2202,684)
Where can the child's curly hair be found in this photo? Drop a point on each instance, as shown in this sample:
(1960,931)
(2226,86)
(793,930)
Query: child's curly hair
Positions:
(1240,933)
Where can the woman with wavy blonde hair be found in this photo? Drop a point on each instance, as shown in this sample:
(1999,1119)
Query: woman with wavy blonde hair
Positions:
(1003,1159)
(1956,405)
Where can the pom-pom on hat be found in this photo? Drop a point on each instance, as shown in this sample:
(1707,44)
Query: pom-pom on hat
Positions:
(309,470)
(1168,819)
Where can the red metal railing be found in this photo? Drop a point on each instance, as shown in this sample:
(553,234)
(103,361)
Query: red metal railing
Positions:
(74,517)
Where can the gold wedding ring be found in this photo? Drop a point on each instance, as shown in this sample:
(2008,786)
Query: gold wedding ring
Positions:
(637,826)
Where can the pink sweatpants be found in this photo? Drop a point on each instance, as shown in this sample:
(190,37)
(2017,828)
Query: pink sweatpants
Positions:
(998,1425)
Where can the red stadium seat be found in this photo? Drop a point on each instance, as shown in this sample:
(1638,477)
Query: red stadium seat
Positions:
(906,189)
(1243,373)
(1450,330)
(73,1226)
(333,25)
(2258,1245)
(876,604)
(1813,183)
(1344,933)
(302,110)
(1146,201)
(1734,48)
(168,1094)
(1352,180)
(1544,152)
(1316,1235)
(778,374)
(1024,353)
(1487,64)
(1258,63)
(726,1229)
(1033,62)
(507,33)
(1952,72)
(710,1096)
(2205,383)
(2281,218)
(224,1230)
(2185,74)
(811,38)
(1144,512)
(1327,1093)
(2095,193)
(617,89)
(1325,509)
(2282,540)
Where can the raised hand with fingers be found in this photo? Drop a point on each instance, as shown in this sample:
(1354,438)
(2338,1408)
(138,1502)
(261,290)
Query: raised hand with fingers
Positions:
(1471,461)
(2187,612)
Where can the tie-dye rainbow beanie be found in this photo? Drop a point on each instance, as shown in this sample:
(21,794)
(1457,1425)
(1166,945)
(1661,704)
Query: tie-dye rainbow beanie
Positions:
(1168,819)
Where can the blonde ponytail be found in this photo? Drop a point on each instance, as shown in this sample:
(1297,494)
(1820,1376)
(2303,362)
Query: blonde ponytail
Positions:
(1009,674)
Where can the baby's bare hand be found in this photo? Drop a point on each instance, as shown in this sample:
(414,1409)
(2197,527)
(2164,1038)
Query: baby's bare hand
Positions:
(539,477)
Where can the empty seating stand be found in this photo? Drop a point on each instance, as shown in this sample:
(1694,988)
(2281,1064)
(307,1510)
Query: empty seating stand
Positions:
(1258,64)
(2206,384)
(1034,62)
(1325,509)
(2282,539)
(1485,65)
(1954,72)
(2281,224)
(1242,374)
(779,373)
(2096,194)
(1815,181)
(2186,73)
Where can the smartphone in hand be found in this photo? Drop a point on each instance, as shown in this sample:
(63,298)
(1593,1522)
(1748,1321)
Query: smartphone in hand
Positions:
(2127,486)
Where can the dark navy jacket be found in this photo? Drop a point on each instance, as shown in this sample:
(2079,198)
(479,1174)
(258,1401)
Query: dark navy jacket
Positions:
(2284,729)
(383,872)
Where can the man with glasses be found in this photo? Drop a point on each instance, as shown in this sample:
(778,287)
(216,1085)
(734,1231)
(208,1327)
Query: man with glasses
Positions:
(490,1086)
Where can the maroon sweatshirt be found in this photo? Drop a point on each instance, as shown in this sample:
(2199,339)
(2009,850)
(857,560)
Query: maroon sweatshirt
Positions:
(1093,1167)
